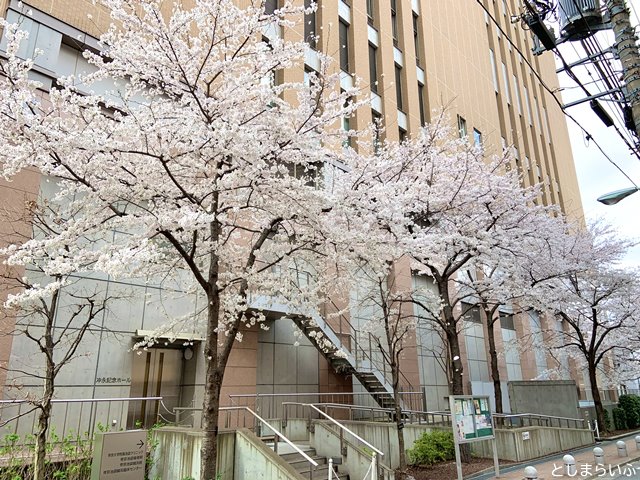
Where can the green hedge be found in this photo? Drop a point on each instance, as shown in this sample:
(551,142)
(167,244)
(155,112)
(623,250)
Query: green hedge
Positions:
(432,447)
(631,406)
(619,419)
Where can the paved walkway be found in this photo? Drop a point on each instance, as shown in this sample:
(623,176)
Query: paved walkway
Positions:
(615,467)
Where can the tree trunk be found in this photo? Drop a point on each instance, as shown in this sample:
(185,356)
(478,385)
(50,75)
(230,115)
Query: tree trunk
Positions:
(455,360)
(398,418)
(597,400)
(42,431)
(495,371)
(212,389)
(47,394)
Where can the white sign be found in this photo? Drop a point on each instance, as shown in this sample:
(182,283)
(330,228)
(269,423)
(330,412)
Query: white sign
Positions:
(525,435)
(119,455)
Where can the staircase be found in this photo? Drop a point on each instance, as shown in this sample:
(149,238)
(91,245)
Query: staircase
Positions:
(303,467)
(347,359)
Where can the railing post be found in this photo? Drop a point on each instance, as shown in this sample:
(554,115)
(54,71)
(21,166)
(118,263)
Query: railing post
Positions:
(374,466)
(330,470)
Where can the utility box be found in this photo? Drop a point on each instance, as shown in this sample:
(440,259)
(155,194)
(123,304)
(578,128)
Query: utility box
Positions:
(579,18)
(119,455)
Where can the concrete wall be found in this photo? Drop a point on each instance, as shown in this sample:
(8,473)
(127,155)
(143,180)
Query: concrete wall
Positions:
(511,445)
(541,441)
(547,397)
(356,461)
(240,455)
(177,454)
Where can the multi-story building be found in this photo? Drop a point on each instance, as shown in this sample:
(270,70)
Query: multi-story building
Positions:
(412,56)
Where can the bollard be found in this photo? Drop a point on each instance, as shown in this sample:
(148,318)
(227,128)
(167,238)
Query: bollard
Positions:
(622,448)
(638,442)
(598,453)
(569,465)
(530,473)
(330,470)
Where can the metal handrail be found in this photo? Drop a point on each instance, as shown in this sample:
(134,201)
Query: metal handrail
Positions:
(83,400)
(278,434)
(334,421)
(355,342)
(536,415)
(308,394)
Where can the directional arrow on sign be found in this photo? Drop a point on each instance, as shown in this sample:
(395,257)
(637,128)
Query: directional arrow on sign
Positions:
(140,444)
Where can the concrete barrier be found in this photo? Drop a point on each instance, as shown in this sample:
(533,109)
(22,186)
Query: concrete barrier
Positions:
(177,453)
(512,444)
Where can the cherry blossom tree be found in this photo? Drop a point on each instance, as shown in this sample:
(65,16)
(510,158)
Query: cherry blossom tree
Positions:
(437,201)
(200,153)
(50,314)
(597,302)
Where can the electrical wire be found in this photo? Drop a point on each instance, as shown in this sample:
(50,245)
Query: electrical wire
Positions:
(552,93)
(592,47)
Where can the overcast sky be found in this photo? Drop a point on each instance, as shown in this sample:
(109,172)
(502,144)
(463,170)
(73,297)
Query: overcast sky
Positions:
(596,174)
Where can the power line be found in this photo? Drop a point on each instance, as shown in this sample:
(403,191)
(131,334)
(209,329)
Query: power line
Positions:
(550,91)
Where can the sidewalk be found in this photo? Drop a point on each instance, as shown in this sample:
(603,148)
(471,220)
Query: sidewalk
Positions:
(552,467)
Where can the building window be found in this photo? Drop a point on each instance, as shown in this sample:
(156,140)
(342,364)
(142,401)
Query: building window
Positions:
(416,38)
(494,71)
(310,24)
(370,11)
(344,46)
(398,86)
(373,68)
(394,22)
(527,103)
(477,138)
(402,134)
(462,127)
(516,94)
(423,116)
(376,119)
(270,6)
(505,78)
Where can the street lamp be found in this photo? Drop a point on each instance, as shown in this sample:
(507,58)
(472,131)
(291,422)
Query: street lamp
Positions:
(614,197)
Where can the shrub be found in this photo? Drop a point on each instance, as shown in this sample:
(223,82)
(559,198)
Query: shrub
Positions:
(631,406)
(619,419)
(432,447)
(607,420)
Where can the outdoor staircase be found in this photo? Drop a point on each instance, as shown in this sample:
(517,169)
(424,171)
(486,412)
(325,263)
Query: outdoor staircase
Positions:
(345,357)
(347,360)
(303,467)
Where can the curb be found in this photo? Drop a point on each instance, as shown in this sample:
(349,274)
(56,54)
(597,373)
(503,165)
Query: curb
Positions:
(628,460)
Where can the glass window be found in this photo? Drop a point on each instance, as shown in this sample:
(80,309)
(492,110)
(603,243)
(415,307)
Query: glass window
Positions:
(370,11)
(399,86)
(494,72)
(344,46)
(394,22)
(423,116)
(416,38)
(310,30)
(270,6)
(373,68)
(462,127)
(505,78)
(477,137)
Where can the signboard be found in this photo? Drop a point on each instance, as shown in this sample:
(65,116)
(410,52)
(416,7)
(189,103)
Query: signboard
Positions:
(119,455)
(471,418)
(471,421)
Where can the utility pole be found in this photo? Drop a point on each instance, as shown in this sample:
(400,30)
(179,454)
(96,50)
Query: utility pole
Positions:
(627,47)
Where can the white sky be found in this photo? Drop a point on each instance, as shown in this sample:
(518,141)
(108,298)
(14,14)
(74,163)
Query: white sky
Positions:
(596,175)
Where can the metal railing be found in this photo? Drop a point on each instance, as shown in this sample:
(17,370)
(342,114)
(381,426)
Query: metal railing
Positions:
(259,422)
(78,417)
(375,358)
(374,414)
(342,430)
(534,419)
(269,405)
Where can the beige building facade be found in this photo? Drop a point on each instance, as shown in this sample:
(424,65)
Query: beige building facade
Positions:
(412,57)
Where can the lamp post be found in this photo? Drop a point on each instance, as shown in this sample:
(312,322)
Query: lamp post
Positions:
(614,197)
